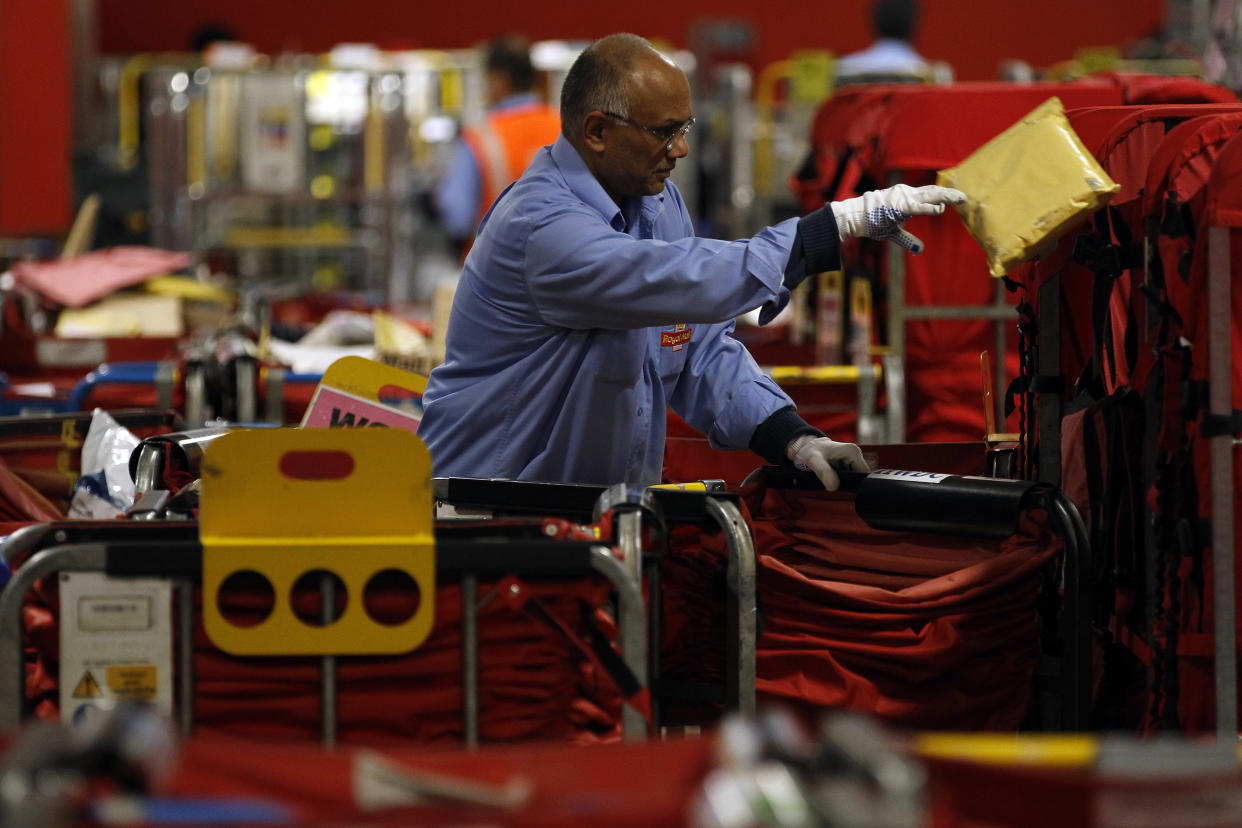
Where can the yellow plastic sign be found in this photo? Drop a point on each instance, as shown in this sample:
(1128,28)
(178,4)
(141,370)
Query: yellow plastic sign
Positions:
(279,504)
(1027,185)
(355,392)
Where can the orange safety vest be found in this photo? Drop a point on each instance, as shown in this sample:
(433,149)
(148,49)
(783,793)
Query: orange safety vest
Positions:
(505,143)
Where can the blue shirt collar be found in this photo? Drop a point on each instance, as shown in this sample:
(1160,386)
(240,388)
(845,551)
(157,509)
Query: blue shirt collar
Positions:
(584,185)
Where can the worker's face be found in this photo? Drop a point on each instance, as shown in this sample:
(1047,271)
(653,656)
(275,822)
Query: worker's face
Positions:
(633,160)
(497,86)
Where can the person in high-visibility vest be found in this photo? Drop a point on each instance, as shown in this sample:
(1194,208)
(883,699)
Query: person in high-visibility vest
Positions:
(493,153)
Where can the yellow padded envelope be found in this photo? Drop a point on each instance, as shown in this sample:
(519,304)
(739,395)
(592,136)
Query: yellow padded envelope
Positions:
(1027,185)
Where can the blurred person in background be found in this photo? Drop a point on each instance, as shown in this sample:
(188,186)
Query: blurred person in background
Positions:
(492,154)
(891,57)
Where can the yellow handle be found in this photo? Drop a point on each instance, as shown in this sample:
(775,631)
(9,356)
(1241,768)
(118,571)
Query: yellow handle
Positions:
(128,115)
(834,374)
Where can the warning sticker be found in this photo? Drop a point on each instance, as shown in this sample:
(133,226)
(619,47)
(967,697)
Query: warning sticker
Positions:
(87,687)
(133,683)
(115,643)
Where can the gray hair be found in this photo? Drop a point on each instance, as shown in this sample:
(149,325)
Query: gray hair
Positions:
(597,81)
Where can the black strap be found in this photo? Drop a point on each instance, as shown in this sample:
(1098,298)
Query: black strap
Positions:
(838,174)
(1107,261)
(1132,257)
(1184,264)
(1157,302)
(1176,221)
(1194,398)
(809,169)
(1016,387)
(1031,384)
(1093,464)
(600,647)
(1221,425)
(1105,258)
(1045,384)
(1102,324)
(612,660)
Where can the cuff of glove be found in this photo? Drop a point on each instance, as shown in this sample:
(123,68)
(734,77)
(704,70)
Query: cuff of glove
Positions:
(820,240)
(774,434)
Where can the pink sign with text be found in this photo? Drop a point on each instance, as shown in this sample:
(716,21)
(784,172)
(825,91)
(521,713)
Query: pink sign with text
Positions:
(331,408)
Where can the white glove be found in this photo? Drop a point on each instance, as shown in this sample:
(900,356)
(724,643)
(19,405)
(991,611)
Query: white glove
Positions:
(879,214)
(819,455)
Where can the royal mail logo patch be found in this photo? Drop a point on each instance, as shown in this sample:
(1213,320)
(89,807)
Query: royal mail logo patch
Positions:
(676,338)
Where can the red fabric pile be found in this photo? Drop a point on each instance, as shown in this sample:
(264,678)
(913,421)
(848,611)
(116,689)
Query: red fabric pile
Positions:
(925,630)
(534,682)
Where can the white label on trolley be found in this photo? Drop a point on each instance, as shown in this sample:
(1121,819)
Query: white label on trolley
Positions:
(69,353)
(273,134)
(911,476)
(115,643)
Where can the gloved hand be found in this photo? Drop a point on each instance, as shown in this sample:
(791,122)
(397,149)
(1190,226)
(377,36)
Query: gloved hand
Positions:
(879,214)
(819,455)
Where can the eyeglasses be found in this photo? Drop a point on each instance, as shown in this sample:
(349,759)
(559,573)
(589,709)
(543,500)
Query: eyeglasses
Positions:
(666,135)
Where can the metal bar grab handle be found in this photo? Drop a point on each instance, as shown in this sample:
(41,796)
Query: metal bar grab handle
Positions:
(742,620)
(632,622)
(1076,678)
(78,557)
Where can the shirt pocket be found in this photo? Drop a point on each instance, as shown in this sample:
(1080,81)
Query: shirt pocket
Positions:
(618,356)
(672,345)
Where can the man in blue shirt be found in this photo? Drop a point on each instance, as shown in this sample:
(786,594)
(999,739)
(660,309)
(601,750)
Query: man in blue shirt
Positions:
(587,306)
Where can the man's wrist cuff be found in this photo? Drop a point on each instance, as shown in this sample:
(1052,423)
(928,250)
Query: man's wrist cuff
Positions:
(774,434)
(820,240)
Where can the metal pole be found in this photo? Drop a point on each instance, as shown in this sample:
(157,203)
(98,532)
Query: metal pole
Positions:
(470,661)
(1220,397)
(743,616)
(185,656)
(632,624)
(630,540)
(327,676)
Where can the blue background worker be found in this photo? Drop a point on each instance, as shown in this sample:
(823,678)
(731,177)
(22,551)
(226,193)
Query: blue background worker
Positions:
(587,305)
(891,56)
(492,154)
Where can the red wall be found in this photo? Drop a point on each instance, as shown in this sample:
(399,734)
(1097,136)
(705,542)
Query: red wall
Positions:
(972,35)
(35,58)
(35,132)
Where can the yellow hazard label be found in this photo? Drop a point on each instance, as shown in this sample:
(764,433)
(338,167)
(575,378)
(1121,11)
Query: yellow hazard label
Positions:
(87,687)
(134,682)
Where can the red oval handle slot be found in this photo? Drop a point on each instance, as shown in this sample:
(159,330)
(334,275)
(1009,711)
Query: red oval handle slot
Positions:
(397,396)
(317,464)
